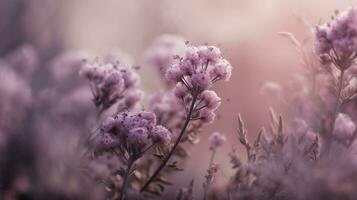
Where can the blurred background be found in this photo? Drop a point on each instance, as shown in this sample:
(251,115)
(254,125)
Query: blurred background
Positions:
(246,32)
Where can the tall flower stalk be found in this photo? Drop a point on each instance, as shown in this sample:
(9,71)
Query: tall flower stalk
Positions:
(336,43)
(216,140)
(130,135)
(194,74)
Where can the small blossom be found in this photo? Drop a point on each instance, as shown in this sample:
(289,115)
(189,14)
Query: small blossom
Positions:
(138,138)
(200,82)
(161,135)
(222,70)
(133,132)
(111,84)
(209,54)
(210,99)
(207,116)
(174,74)
(108,140)
(216,140)
(180,90)
(338,39)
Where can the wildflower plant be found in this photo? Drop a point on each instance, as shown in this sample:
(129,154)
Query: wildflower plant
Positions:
(194,74)
(307,152)
(131,134)
(111,83)
(216,140)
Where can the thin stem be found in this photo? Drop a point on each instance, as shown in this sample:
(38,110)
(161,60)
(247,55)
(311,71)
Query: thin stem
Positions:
(209,166)
(166,159)
(212,157)
(126,178)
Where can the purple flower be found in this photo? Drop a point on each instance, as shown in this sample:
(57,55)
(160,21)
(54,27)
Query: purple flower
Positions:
(200,82)
(133,132)
(161,135)
(210,99)
(138,138)
(174,74)
(180,90)
(222,70)
(199,68)
(209,54)
(111,84)
(216,140)
(338,39)
(207,116)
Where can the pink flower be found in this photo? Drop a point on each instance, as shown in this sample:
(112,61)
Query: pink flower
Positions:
(210,99)
(161,135)
(209,54)
(207,116)
(180,90)
(174,74)
(222,70)
(200,82)
(216,140)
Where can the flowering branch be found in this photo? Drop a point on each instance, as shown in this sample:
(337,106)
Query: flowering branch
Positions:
(167,158)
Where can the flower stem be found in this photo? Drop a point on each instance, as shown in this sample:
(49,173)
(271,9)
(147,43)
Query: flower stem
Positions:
(166,159)
(126,178)
(205,192)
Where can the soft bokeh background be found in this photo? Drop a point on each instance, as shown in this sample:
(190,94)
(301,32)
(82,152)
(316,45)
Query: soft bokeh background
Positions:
(246,31)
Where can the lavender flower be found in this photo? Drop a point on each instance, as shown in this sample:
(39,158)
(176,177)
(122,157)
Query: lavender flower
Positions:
(132,133)
(197,70)
(216,140)
(111,84)
(338,39)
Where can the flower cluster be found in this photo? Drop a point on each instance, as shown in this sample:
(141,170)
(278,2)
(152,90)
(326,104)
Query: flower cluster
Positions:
(216,139)
(195,73)
(336,41)
(133,132)
(111,83)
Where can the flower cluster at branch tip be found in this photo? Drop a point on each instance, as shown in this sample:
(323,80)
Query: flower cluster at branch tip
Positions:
(216,140)
(111,83)
(133,132)
(344,126)
(337,41)
(195,73)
